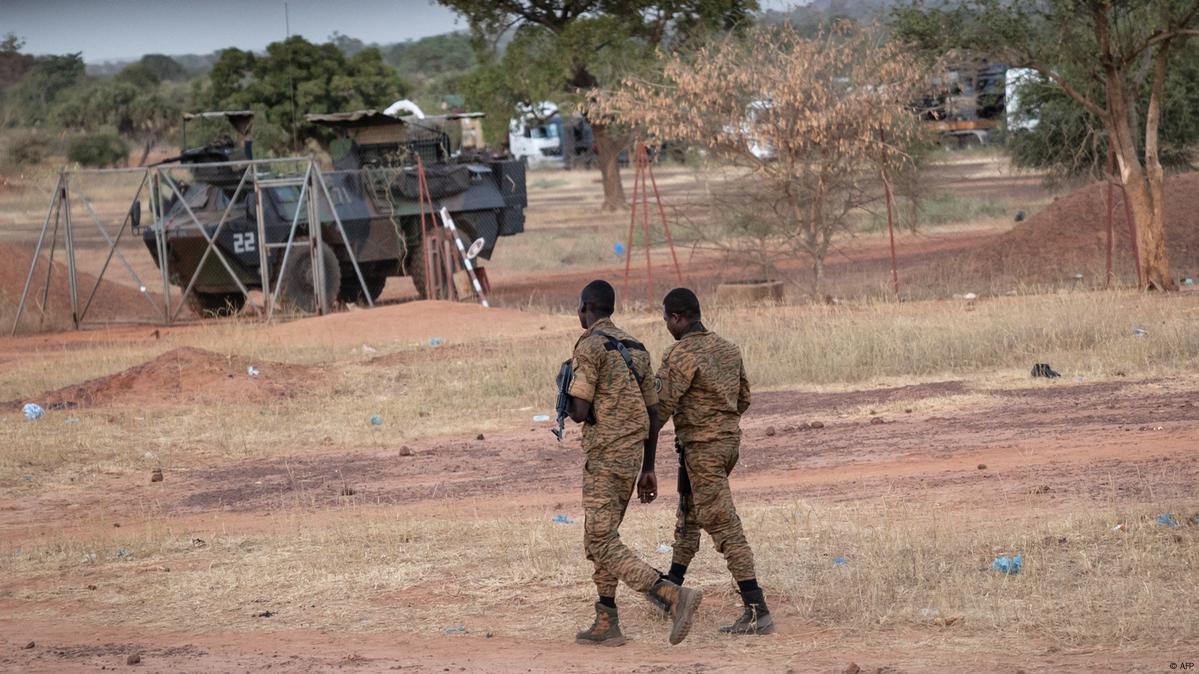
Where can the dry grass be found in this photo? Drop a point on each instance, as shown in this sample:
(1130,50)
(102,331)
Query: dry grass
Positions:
(479,387)
(911,569)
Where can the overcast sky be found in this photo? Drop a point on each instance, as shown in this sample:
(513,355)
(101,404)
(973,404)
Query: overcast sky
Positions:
(126,29)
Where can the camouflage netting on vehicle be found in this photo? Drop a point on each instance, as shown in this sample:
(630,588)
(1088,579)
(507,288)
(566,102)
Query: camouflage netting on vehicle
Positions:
(443,181)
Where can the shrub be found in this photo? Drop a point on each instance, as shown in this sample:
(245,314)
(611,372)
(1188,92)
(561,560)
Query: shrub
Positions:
(98,150)
(27,149)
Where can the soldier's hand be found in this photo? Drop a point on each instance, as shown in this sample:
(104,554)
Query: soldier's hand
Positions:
(647,486)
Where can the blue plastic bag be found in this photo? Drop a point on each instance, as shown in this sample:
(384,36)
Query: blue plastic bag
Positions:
(840,560)
(1166,519)
(1008,565)
(33,411)
(563,519)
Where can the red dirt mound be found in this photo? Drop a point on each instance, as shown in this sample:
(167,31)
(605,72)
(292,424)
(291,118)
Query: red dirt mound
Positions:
(187,375)
(1070,237)
(113,301)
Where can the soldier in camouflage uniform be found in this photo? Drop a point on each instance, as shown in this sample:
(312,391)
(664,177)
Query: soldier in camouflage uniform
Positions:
(703,386)
(616,401)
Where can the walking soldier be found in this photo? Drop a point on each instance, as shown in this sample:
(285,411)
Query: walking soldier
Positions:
(612,394)
(703,386)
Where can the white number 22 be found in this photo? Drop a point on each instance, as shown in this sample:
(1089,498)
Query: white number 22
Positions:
(243,242)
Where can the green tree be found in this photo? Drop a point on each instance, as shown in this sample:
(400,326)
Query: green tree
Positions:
(30,100)
(296,77)
(1102,54)
(563,49)
(1069,141)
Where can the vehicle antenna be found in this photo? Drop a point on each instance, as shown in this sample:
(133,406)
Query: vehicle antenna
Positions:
(291,84)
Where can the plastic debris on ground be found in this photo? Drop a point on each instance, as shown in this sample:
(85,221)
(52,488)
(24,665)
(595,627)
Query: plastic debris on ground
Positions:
(376,420)
(33,411)
(367,348)
(541,418)
(252,371)
(456,629)
(618,248)
(1165,519)
(72,420)
(1009,565)
(435,341)
(664,548)
(840,560)
(563,519)
(1138,332)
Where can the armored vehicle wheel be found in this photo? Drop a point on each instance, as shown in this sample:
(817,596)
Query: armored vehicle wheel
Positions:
(296,292)
(351,290)
(415,265)
(210,305)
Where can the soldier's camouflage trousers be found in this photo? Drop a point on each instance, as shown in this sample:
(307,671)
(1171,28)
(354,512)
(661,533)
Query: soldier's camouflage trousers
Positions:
(607,487)
(705,502)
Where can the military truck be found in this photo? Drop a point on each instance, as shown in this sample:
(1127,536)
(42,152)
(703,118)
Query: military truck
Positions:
(374,188)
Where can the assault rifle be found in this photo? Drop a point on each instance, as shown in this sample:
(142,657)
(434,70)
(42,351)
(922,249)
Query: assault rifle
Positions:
(565,375)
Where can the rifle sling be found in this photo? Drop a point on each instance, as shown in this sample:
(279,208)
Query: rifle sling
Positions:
(622,346)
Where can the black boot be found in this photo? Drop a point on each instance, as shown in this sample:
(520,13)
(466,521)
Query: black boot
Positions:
(755,619)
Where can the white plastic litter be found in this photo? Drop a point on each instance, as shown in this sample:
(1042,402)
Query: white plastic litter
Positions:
(33,411)
(252,371)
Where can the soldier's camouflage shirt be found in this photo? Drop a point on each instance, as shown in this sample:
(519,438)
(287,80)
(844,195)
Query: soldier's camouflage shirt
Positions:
(619,403)
(703,385)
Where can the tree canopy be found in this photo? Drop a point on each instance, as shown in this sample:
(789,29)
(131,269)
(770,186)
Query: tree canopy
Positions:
(296,77)
(1111,58)
(561,49)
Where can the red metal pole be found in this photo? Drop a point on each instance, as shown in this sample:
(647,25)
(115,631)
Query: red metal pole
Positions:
(423,193)
(1132,233)
(1111,239)
(890,217)
(642,163)
(665,225)
(628,251)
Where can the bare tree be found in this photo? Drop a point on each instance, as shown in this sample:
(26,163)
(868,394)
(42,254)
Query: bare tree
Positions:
(806,124)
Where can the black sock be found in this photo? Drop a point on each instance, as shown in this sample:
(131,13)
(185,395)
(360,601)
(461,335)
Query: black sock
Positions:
(750,585)
(676,573)
(610,602)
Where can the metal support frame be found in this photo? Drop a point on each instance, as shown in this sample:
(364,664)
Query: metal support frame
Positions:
(158,181)
(645,168)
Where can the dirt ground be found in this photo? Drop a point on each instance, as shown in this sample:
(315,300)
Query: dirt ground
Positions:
(1055,449)
(988,451)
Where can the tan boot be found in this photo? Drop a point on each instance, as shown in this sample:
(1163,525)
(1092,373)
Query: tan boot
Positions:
(682,602)
(606,629)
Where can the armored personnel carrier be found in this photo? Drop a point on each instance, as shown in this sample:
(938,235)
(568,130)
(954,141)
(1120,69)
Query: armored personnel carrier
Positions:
(374,188)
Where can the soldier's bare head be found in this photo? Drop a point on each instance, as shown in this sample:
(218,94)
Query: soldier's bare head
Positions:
(597,301)
(680,310)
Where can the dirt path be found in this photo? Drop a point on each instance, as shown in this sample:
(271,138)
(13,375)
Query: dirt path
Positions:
(1057,448)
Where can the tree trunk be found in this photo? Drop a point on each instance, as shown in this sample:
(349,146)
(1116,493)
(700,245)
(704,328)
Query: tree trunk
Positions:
(607,149)
(1145,189)
(818,277)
